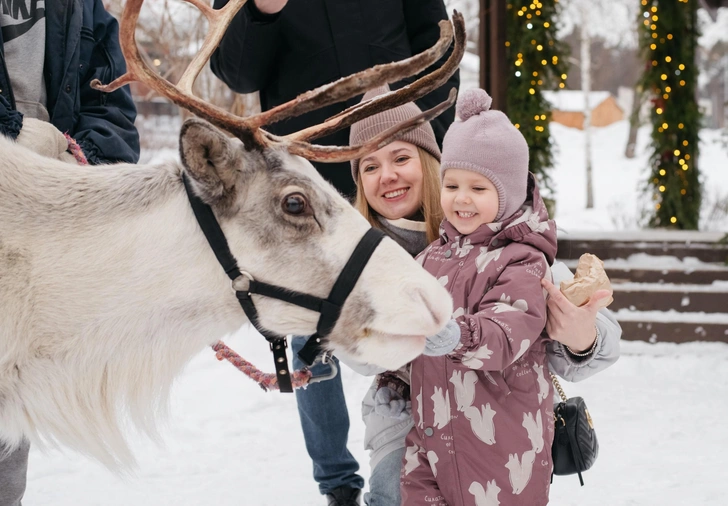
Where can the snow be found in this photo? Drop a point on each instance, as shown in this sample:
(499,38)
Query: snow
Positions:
(654,262)
(713,32)
(714,287)
(229,444)
(626,315)
(619,200)
(573,100)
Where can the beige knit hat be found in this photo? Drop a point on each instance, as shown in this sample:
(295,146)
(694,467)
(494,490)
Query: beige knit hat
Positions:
(485,141)
(423,136)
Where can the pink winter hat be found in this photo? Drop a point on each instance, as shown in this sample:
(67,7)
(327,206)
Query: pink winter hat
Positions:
(423,136)
(486,142)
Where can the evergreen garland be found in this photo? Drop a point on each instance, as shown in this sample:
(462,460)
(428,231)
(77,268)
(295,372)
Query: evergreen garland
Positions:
(536,62)
(668,41)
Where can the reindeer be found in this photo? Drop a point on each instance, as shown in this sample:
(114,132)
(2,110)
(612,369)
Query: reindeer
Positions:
(108,286)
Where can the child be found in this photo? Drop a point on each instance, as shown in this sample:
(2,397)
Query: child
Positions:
(483,411)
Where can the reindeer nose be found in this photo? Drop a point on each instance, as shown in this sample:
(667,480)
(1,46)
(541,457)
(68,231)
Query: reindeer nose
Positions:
(435,316)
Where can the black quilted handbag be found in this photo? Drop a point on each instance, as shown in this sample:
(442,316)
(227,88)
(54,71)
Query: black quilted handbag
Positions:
(575,446)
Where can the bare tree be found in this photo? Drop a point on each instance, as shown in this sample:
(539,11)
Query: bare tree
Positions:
(638,98)
(170,33)
(607,21)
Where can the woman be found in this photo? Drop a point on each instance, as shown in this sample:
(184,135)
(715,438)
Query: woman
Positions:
(398,191)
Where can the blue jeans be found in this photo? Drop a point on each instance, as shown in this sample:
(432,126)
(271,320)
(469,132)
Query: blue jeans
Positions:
(325,424)
(384,481)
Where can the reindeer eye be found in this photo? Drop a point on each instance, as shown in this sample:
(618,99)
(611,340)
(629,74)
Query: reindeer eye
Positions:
(294,204)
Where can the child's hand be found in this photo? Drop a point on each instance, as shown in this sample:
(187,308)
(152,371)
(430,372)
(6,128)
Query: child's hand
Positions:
(443,342)
(390,403)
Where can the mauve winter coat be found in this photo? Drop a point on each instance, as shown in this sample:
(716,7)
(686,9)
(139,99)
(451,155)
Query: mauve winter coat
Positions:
(483,415)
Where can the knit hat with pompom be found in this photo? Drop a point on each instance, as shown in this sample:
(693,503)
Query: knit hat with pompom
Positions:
(362,131)
(486,142)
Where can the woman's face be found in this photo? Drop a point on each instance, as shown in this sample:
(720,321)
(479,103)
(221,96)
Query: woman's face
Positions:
(392,180)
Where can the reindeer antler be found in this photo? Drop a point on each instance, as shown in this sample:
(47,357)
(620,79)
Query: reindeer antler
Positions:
(249,129)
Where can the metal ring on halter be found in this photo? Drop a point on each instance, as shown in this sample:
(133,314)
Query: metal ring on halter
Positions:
(243,276)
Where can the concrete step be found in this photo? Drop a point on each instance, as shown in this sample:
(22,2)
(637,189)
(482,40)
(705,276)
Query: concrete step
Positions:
(711,298)
(647,326)
(708,247)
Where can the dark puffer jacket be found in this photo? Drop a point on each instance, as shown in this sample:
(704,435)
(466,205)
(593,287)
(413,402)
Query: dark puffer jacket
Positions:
(82,44)
(314,42)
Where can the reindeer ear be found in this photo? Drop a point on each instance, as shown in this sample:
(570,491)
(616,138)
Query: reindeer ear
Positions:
(211,160)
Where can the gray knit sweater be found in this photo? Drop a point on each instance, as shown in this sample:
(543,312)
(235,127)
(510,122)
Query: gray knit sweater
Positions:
(411,235)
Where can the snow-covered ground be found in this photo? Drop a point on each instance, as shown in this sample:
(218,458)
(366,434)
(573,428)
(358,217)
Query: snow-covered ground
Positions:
(658,411)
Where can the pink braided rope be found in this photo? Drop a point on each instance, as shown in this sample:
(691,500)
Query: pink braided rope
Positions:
(76,150)
(266,381)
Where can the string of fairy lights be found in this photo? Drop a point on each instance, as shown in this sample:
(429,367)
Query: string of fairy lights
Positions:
(533,15)
(536,62)
(672,78)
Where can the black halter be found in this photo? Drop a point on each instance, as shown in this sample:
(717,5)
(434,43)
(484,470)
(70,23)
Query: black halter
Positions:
(329,308)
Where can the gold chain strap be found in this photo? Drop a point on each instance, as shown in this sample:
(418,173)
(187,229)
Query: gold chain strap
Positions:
(558,387)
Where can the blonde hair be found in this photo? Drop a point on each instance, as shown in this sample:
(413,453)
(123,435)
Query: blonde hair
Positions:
(431,210)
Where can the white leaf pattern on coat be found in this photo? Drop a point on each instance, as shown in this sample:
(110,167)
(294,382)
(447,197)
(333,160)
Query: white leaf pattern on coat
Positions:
(443,281)
(485,257)
(474,359)
(520,472)
(481,422)
(504,305)
(534,427)
(411,460)
(441,407)
(534,223)
(543,384)
(465,249)
(464,388)
(487,497)
(458,312)
(433,459)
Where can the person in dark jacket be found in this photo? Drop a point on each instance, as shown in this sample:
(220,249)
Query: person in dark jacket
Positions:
(283,48)
(50,81)
(48,56)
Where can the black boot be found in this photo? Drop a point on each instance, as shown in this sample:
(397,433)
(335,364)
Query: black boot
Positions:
(344,496)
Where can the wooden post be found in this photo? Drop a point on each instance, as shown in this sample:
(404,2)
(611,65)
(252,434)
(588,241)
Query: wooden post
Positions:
(492,50)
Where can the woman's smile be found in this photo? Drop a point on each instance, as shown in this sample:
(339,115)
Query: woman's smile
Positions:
(397,194)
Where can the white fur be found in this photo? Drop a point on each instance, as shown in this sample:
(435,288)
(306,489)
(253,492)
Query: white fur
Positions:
(109,288)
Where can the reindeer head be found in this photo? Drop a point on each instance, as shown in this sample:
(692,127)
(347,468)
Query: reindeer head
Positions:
(285,225)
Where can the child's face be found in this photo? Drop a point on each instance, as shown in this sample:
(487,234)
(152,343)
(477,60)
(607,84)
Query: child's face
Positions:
(468,199)
(392,180)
